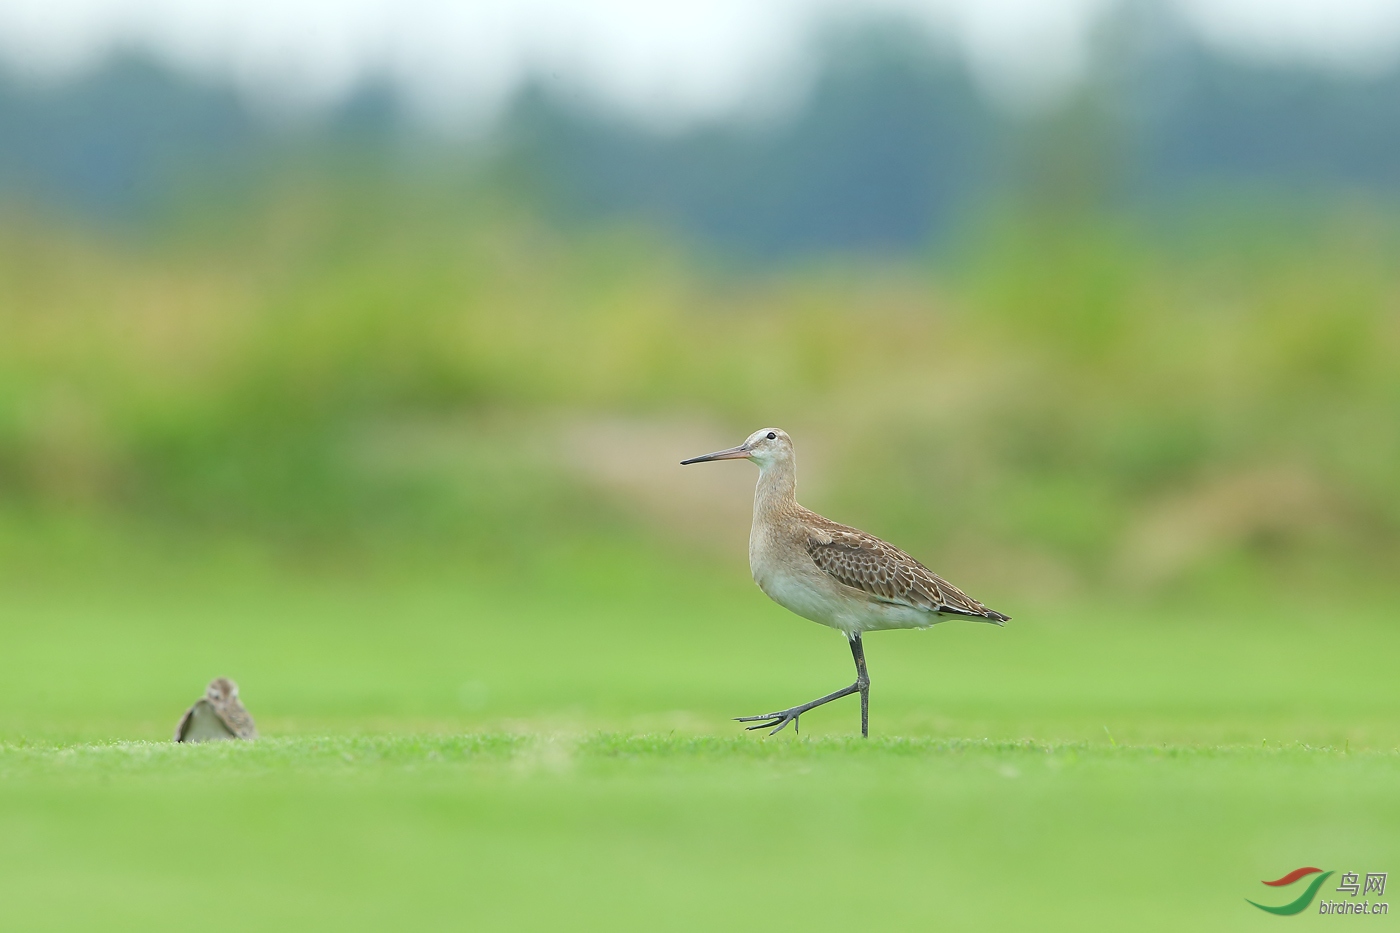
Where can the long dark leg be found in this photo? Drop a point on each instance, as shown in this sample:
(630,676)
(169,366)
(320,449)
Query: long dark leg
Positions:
(863,682)
(779,720)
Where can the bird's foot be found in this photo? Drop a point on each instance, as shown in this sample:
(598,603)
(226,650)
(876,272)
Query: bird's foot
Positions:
(777,721)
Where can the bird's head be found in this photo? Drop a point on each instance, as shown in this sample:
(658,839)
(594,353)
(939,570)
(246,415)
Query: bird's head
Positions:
(221,690)
(765,447)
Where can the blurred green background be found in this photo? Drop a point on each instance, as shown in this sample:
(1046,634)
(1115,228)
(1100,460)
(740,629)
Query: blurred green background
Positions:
(384,422)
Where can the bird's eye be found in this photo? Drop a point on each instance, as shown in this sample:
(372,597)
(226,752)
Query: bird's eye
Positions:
(772,436)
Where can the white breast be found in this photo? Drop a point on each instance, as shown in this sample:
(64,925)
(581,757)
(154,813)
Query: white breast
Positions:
(791,587)
(205,725)
(796,593)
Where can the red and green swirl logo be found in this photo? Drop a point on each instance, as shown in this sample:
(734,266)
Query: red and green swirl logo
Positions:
(1304,899)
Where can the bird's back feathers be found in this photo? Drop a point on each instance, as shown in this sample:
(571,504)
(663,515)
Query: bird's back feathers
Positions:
(881,570)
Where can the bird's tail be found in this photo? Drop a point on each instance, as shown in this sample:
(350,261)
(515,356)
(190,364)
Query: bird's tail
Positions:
(980,615)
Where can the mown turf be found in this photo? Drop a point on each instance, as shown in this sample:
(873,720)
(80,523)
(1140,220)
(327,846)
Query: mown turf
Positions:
(461,752)
(508,832)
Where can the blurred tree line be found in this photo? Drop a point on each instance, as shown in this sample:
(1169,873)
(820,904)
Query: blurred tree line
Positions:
(1070,391)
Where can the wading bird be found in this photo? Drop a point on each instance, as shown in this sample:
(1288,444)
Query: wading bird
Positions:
(834,574)
(216,715)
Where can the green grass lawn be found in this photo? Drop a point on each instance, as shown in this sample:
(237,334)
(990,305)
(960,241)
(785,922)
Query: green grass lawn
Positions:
(553,750)
(510,831)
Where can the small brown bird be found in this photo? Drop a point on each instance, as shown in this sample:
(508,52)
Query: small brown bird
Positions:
(834,574)
(216,715)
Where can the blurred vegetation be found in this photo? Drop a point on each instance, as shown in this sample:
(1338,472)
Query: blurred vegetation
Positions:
(1067,398)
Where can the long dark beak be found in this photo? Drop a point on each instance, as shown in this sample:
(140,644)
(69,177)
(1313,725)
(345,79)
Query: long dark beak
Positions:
(734,453)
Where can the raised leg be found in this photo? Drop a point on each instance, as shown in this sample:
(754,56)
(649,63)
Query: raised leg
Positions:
(778,721)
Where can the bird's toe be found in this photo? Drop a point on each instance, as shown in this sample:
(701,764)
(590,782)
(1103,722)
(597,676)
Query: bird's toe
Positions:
(776,722)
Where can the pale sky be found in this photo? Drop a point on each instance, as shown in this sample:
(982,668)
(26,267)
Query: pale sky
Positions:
(670,61)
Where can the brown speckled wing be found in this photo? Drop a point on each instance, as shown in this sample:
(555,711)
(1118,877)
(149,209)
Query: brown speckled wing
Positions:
(239,722)
(866,563)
